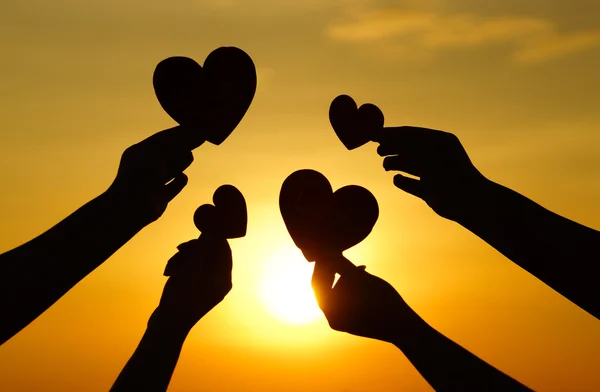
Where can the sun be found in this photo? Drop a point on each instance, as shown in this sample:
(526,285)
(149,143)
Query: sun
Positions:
(285,288)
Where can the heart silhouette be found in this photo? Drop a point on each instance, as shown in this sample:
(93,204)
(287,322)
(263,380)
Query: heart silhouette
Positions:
(355,126)
(227,218)
(319,219)
(213,98)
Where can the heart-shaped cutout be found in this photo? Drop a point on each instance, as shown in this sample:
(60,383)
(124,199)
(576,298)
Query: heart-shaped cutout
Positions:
(227,218)
(319,219)
(212,98)
(355,126)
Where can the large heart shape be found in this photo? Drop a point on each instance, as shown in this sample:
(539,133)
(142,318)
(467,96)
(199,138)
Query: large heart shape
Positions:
(355,126)
(227,218)
(213,98)
(319,219)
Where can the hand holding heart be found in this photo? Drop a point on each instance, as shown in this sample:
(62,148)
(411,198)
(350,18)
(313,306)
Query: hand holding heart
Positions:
(211,100)
(227,218)
(320,220)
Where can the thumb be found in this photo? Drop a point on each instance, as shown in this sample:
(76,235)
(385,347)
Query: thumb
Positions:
(322,283)
(409,185)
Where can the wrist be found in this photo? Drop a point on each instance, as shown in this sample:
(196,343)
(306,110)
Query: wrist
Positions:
(409,330)
(160,324)
(121,201)
(476,199)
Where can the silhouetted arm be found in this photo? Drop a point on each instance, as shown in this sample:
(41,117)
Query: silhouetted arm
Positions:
(153,362)
(561,253)
(365,305)
(38,273)
(446,365)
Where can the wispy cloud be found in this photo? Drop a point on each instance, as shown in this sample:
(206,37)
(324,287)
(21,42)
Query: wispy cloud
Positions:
(529,39)
(558,45)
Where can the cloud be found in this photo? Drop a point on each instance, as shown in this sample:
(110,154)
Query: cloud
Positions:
(529,39)
(557,46)
(269,7)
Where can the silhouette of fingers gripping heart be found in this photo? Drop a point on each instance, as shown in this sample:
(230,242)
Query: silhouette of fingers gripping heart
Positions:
(213,98)
(226,218)
(355,126)
(320,220)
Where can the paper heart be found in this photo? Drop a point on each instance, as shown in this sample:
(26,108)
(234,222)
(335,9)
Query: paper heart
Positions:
(355,126)
(227,218)
(213,98)
(319,219)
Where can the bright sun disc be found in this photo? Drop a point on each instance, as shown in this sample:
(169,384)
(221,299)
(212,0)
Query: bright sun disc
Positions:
(285,288)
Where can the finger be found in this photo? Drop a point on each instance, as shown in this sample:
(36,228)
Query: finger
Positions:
(177,138)
(173,188)
(409,185)
(175,163)
(218,262)
(404,140)
(376,135)
(351,274)
(216,254)
(206,259)
(322,283)
(334,260)
(224,257)
(403,163)
(173,264)
(180,258)
(187,245)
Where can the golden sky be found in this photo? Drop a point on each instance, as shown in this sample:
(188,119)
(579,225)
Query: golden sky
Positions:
(516,81)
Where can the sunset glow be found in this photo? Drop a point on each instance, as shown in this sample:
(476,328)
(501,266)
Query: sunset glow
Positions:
(516,81)
(285,288)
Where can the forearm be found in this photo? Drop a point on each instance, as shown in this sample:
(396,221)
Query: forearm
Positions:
(153,362)
(445,365)
(558,251)
(38,273)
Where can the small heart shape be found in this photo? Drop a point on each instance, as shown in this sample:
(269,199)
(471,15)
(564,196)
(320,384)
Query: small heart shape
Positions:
(213,98)
(355,126)
(227,218)
(319,219)
(206,219)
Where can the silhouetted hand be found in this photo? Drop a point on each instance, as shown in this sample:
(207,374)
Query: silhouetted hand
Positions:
(42,270)
(201,280)
(448,179)
(150,173)
(360,303)
(365,305)
(558,251)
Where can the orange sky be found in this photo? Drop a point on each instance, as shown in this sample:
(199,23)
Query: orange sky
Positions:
(516,82)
